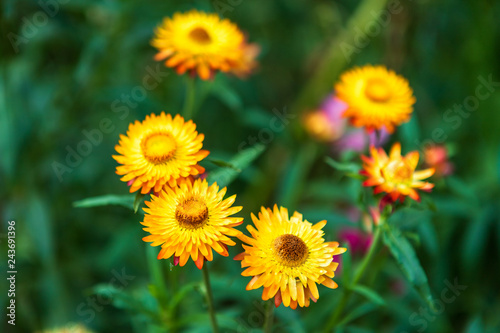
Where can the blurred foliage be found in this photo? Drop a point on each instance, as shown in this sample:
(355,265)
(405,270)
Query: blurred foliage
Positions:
(64,75)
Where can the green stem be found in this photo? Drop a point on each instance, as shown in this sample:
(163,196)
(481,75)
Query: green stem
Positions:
(269,319)
(294,179)
(357,276)
(188,111)
(210,299)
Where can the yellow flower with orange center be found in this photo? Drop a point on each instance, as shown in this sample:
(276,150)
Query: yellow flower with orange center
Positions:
(288,257)
(376,97)
(190,221)
(160,151)
(395,174)
(202,43)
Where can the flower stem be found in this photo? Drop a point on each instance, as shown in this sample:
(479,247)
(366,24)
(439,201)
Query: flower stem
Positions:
(357,276)
(188,110)
(210,299)
(269,319)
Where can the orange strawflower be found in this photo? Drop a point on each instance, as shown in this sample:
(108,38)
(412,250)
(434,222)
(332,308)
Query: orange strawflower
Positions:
(376,97)
(190,221)
(395,174)
(160,151)
(203,44)
(288,256)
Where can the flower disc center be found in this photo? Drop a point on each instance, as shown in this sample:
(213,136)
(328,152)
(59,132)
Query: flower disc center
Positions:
(158,148)
(377,90)
(192,213)
(200,36)
(290,249)
(398,172)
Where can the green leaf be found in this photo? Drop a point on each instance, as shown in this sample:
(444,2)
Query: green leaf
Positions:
(224,176)
(357,312)
(413,237)
(355,175)
(138,201)
(223,164)
(139,302)
(407,260)
(370,294)
(428,236)
(349,168)
(105,200)
(475,325)
(462,189)
(225,93)
(474,244)
(181,294)
(295,175)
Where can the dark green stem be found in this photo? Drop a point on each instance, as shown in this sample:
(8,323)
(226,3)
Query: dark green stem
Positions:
(269,319)
(210,299)
(357,276)
(189,102)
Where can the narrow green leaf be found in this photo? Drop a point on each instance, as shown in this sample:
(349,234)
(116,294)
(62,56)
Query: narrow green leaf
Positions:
(224,164)
(357,312)
(428,236)
(477,231)
(224,176)
(413,237)
(105,200)
(225,93)
(355,175)
(181,294)
(124,300)
(349,168)
(370,294)
(407,260)
(295,175)
(138,201)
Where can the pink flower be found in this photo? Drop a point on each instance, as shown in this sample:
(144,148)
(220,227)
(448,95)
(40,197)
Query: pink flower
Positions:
(359,242)
(329,125)
(358,140)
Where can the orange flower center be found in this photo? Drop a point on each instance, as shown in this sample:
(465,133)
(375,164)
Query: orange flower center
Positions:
(290,249)
(192,213)
(200,36)
(398,172)
(377,90)
(158,148)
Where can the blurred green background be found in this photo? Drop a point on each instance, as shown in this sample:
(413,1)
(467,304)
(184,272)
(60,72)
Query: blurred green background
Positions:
(68,65)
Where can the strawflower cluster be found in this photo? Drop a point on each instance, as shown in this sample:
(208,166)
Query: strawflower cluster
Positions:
(190,218)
